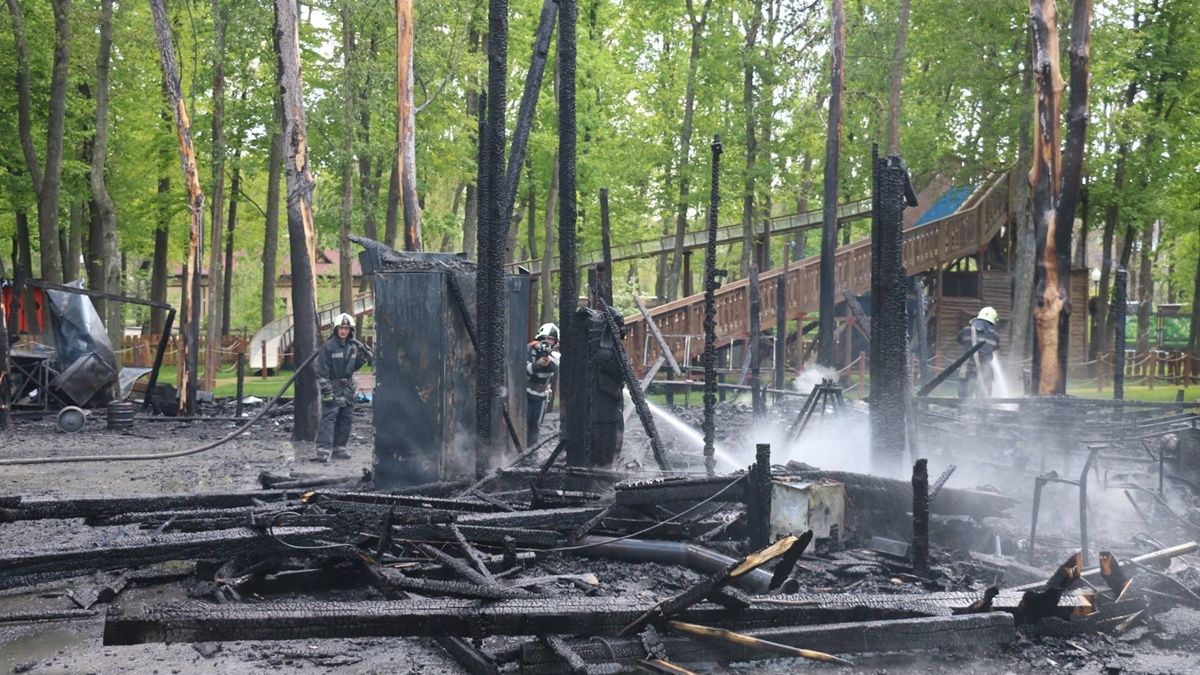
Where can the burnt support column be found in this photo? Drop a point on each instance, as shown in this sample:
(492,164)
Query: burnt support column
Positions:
(1120,315)
(758,498)
(493,233)
(711,275)
(606,275)
(920,518)
(573,371)
(889,323)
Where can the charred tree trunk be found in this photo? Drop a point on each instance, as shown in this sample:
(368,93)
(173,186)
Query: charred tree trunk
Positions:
(574,419)
(1055,180)
(106,214)
(896,79)
(345,276)
(158,266)
(685,145)
(493,233)
(833,140)
(271,221)
(300,185)
(471,209)
(393,206)
(406,154)
(235,186)
(190,323)
(212,332)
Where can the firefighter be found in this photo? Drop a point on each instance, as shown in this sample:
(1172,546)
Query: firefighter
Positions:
(541,366)
(340,357)
(975,376)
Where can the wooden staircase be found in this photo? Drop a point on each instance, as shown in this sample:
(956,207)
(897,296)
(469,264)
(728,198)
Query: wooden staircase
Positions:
(926,247)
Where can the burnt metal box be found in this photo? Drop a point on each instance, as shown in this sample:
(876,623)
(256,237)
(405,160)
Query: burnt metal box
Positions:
(798,506)
(424,399)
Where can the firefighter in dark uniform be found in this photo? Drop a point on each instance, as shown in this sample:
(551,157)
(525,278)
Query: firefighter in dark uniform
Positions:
(541,366)
(607,382)
(975,376)
(340,357)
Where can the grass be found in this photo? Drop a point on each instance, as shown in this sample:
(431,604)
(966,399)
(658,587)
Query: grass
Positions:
(254,385)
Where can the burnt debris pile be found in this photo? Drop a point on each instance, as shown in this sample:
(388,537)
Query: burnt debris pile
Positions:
(549,568)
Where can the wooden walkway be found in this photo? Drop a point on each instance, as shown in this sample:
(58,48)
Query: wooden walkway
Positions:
(926,247)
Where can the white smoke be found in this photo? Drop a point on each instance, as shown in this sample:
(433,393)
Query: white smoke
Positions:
(812,376)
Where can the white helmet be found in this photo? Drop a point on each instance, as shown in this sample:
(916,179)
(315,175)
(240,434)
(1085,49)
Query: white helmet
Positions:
(343,319)
(548,330)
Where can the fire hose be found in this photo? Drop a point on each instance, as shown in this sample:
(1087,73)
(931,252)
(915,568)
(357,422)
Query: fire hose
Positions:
(177,453)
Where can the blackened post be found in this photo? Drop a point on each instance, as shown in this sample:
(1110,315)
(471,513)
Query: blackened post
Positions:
(572,373)
(1120,314)
(241,380)
(606,277)
(758,504)
(529,99)
(889,324)
(920,522)
(833,141)
(711,274)
(635,389)
(4,368)
(163,340)
(757,397)
(781,324)
(493,233)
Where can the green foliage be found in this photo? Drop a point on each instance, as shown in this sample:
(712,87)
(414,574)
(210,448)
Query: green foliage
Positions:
(963,98)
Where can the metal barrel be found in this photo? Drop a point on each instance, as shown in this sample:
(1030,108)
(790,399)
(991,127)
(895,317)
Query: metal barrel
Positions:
(120,415)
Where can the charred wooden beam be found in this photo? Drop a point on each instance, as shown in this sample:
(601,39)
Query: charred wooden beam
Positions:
(479,535)
(199,622)
(712,275)
(677,490)
(920,516)
(20,567)
(88,507)
(474,660)
(956,634)
(887,494)
(758,498)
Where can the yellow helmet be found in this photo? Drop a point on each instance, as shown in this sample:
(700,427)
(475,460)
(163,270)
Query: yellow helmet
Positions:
(988,314)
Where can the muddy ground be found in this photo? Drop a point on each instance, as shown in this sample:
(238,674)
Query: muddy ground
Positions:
(1169,644)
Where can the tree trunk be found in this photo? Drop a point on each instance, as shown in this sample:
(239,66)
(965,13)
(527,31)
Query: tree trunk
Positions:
(368,169)
(345,276)
(1055,178)
(101,201)
(158,266)
(23,268)
(1079,257)
(1104,302)
(548,245)
(406,154)
(531,229)
(271,221)
(212,333)
(300,185)
(897,78)
(1145,289)
(235,186)
(754,22)
(833,141)
(190,323)
(52,178)
(685,145)
(74,243)
(393,206)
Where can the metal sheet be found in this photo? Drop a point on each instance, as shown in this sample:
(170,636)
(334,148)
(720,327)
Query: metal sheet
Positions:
(424,391)
(819,506)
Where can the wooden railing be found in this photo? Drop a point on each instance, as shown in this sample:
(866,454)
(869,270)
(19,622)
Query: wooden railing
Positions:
(925,247)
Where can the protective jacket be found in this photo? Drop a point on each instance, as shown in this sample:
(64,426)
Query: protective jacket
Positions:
(336,365)
(540,374)
(984,332)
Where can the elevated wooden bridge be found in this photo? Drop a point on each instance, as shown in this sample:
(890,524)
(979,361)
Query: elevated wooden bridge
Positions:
(928,246)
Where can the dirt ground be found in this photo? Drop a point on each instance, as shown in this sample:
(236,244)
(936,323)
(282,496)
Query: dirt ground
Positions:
(1171,644)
